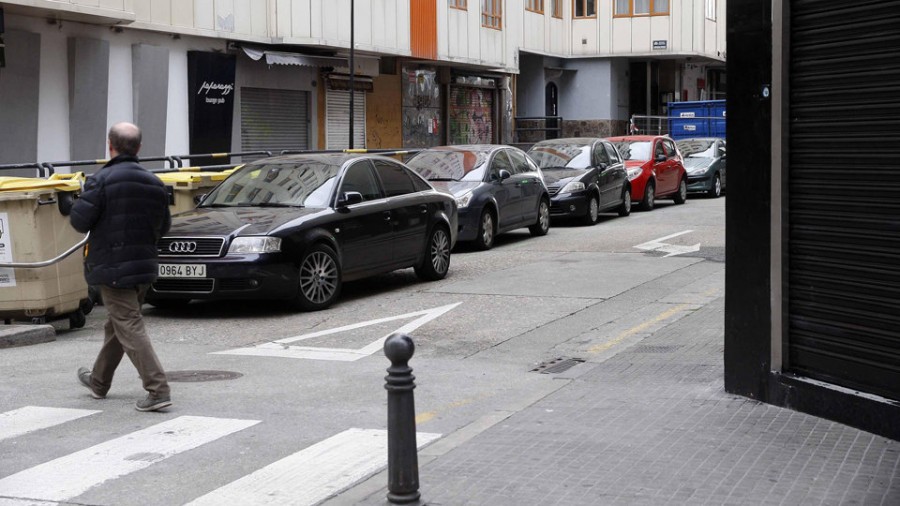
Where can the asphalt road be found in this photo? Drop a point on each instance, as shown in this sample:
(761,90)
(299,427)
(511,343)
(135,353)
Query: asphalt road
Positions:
(582,293)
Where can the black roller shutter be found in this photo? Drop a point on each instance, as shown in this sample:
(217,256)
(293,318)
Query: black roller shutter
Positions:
(844,193)
(273,120)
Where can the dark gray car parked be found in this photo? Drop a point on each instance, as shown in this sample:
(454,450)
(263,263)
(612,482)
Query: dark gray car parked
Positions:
(585,176)
(704,162)
(498,189)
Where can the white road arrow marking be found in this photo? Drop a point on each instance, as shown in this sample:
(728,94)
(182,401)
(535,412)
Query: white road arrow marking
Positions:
(671,249)
(283,348)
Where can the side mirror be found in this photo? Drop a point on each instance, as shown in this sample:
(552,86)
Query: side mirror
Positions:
(660,158)
(602,166)
(504,174)
(349,198)
(200,198)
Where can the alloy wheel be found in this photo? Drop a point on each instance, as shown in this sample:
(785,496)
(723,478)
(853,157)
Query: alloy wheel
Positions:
(487,227)
(440,251)
(594,210)
(318,277)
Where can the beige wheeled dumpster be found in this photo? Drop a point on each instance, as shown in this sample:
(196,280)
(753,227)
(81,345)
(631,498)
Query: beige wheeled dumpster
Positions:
(33,230)
(187,186)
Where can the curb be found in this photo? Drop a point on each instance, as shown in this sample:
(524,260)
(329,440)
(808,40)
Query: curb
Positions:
(24,335)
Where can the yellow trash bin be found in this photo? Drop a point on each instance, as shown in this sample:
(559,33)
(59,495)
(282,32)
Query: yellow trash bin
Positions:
(32,229)
(186,185)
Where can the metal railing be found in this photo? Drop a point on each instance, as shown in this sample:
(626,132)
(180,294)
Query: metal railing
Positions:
(46,263)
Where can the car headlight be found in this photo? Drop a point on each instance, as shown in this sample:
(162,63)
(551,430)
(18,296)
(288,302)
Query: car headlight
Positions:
(245,245)
(697,170)
(464,199)
(574,186)
(634,172)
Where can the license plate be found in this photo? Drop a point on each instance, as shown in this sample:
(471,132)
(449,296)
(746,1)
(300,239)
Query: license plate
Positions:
(182,270)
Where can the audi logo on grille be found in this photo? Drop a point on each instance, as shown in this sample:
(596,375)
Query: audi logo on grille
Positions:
(182,246)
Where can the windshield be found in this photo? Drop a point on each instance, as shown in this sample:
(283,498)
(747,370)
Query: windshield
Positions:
(634,150)
(697,148)
(441,165)
(298,184)
(573,156)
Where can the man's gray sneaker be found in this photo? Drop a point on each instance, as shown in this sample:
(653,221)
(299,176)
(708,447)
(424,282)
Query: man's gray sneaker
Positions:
(153,403)
(84,377)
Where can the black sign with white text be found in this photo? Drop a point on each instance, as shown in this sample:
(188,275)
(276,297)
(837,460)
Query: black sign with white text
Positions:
(210,103)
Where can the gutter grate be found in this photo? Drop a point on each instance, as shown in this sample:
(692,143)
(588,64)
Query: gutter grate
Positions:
(557,365)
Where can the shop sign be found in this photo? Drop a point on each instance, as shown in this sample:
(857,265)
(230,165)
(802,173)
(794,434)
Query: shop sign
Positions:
(210,102)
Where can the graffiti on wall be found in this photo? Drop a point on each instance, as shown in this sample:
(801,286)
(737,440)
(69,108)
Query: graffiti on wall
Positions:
(471,111)
(421,109)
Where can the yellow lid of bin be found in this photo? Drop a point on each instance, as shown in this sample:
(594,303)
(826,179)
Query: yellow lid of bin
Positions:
(23,184)
(190,175)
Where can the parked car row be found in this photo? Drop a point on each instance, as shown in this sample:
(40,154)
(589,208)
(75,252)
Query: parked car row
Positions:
(296,227)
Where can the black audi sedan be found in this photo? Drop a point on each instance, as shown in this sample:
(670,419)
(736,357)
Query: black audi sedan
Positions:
(704,162)
(585,176)
(296,227)
(498,189)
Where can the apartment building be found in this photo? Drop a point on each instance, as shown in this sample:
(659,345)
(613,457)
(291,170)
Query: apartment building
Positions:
(202,76)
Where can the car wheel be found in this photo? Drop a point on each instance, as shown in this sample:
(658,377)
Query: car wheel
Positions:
(319,279)
(436,261)
(593,211)
(486,230)
(77,319)
(715,190)
(625,208)
(680,197)
(542,225)
(649,197)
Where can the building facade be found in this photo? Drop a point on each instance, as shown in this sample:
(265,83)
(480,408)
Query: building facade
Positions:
(205,76)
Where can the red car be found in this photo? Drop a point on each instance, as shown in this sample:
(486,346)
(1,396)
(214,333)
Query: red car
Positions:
(655,168)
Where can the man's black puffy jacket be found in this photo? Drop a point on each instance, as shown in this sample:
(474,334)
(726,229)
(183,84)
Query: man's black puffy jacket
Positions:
(126,209)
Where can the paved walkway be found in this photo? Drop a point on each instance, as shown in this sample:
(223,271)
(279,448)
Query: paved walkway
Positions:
(653,425)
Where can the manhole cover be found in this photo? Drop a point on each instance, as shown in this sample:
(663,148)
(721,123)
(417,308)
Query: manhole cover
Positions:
(558,365)
(197,376)
(655,349)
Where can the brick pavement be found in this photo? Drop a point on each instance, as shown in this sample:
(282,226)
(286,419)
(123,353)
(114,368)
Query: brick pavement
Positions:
(653,425)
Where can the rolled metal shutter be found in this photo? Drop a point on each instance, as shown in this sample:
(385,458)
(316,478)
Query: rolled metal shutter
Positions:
(273,120)
(471,115)
(844,193)
(337,119)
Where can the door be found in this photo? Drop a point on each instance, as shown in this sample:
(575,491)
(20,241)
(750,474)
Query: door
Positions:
(409,212)
(617,173)
(273,120)
(364,232)
(527,187)
(502,191)
(337,119)
(674,163)
(660,168)
(600,160)
(551,108)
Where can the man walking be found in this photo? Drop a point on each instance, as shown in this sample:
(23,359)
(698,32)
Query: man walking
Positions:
(126,210)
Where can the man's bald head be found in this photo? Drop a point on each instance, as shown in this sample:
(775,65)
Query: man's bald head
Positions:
(124,139)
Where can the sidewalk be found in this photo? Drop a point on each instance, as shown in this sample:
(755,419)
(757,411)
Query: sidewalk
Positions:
(653,425)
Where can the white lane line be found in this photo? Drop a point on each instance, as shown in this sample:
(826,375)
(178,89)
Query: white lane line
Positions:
(671,249)
(31,418)
(283,348)
(25,502)
(76,473)
(313,474)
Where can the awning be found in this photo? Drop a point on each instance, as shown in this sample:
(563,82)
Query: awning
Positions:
(556,72)
(302,60)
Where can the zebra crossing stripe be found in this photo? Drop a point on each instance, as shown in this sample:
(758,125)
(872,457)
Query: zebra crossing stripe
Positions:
(76,473)
(32,418)
(313,474)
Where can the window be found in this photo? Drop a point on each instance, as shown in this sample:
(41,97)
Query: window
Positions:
(556,6)
(584,8)
(600,155)
(671,151)
(659,151)
(642,7)
(491,15)
(394,179)
(711,9)
(359,178)
(613,154)
(459,4)
(535,6)
(520,164)
(500,162)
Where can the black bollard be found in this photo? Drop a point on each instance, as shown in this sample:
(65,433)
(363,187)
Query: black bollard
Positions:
(403,459)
